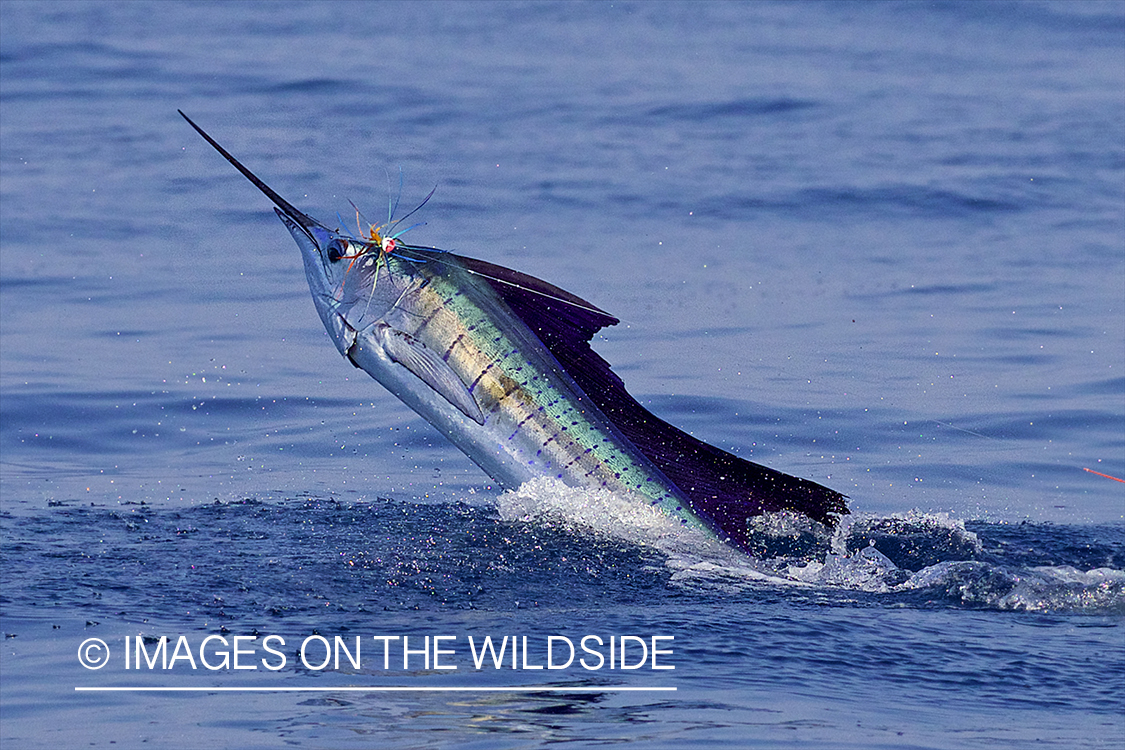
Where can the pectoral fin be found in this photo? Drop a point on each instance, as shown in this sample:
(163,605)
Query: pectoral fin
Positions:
(431,369)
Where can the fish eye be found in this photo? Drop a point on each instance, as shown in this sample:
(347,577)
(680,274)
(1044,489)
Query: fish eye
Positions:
(336,251)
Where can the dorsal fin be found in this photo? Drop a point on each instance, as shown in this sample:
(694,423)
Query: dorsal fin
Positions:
(720,486)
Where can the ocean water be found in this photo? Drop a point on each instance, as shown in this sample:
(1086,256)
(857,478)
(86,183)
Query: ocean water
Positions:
(878,245)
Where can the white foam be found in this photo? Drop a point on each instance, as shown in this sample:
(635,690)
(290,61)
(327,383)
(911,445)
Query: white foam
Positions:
(1067,588)
(598,511)
(698,561)
(695,559)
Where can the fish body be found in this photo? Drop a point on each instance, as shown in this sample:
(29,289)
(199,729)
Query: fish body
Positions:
(451,349)
(500,363)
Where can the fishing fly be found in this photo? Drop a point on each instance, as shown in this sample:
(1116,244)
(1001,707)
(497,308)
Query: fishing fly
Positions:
(379,238)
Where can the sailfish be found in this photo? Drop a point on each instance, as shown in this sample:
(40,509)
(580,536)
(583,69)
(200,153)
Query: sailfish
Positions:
(500,363)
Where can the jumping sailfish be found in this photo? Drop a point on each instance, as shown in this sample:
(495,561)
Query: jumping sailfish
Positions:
(500,363)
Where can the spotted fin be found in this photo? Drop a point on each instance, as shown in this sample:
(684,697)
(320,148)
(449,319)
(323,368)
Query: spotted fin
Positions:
(424,362)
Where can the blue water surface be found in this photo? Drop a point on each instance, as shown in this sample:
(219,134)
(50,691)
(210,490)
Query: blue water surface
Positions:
(878,245)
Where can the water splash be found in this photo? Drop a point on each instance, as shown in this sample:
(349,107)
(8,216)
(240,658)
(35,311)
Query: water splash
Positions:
(924,559)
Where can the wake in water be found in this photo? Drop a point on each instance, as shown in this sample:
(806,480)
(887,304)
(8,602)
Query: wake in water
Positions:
(923,558)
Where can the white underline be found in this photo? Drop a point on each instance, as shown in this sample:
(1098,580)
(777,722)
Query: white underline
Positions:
(375,689)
